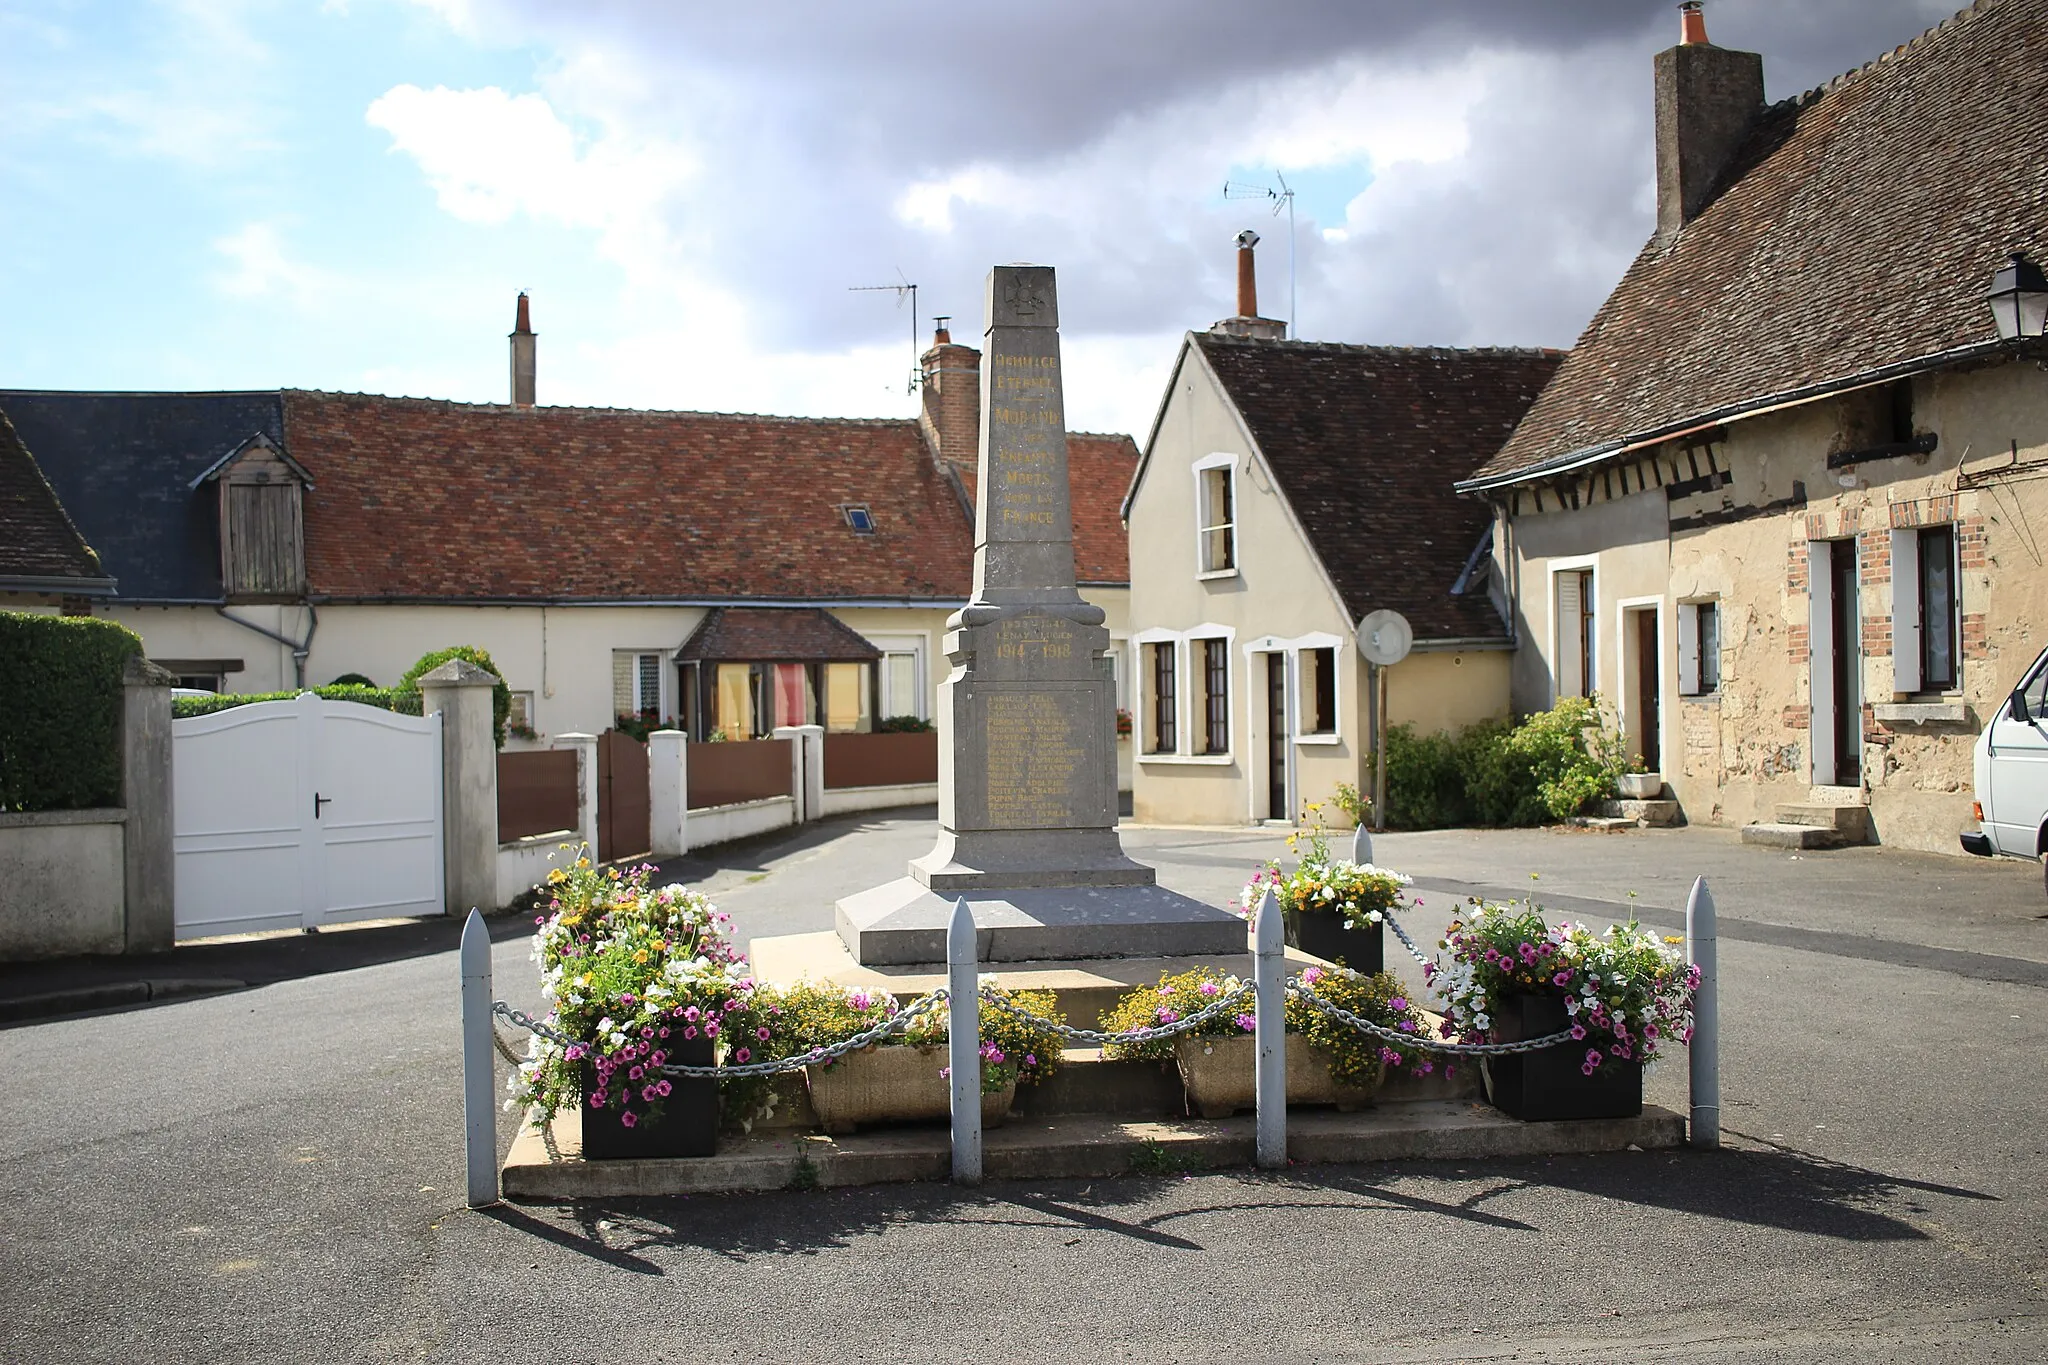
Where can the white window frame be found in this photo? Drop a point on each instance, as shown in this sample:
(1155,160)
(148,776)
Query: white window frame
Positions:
(918,646)
(1220,460)
(662,685)
(1184,661)
(1907,622)
(1587,686)
(1304,703)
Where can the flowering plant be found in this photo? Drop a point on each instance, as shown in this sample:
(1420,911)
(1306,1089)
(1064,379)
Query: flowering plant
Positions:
(1355,1058)
(1625,991)
(630,972)
(1360,892)
(814,1015)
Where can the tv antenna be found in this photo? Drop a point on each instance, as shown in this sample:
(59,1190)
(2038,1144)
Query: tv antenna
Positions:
(1281,198)
(900,289)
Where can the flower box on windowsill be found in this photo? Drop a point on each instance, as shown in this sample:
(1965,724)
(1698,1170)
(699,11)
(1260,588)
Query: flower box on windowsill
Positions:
(892,1084)
(1221,1076)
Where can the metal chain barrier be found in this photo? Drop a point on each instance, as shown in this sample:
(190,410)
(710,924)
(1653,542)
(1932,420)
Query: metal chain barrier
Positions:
(1300,991)
(895,1023)
(1136,1035)
(1406,941)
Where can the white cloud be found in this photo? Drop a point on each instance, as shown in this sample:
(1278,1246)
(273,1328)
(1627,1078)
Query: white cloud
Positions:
(261,269)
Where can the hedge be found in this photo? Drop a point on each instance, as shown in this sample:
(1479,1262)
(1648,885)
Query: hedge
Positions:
(384,698)
(60,726)
(1551,766)
(501,695)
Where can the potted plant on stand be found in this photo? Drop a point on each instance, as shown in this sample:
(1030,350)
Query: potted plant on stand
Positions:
(1333,908)
(639,978)
(1620,996)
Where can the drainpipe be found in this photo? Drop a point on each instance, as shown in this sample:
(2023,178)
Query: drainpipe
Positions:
(300,648)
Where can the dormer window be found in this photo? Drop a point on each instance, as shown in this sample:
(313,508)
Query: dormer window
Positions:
(859,518)
(262,522)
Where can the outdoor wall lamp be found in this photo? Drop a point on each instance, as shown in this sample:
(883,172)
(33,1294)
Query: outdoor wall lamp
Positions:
(2019,299)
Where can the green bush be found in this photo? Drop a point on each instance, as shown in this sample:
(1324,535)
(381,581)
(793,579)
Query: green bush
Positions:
(384,698)
(60,731)
(501,695)
(1550,767)
(902,725)
(354,680)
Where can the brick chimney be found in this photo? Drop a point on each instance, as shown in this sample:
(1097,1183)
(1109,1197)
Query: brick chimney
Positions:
(951,416)
(1707,97)
(1248,323)
(522,357)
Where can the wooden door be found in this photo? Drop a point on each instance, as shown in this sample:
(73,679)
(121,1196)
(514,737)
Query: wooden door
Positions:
(1846,663)
(1276,737)
(624,822)
(1649,700)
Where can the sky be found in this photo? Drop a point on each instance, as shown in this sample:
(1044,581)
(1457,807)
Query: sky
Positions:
(348,195)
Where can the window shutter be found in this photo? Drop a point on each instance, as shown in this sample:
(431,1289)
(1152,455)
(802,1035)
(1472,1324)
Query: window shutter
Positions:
(1688,649)
(1571,644)
(622,685)
(1906,609)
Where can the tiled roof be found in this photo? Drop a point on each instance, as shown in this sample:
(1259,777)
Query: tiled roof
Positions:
(1099,470)
(37,539)
(123,465)
(1857,228)
(770,634)
(1366,443)
(427,500)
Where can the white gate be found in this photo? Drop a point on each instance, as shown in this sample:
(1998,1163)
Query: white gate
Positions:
(300,813)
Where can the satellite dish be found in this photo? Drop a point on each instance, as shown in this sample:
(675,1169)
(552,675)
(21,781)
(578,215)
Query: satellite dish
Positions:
(1384,637)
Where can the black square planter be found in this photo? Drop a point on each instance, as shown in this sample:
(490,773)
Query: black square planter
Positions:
(688,1122)
(1548,1084)
(1322,933)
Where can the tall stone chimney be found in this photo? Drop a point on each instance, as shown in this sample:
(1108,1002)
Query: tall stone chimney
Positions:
(1248,323)
(951,416)
(522,357)
(1707,97)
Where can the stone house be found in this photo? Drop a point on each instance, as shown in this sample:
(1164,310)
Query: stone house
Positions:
(725,572)
(1782,505)
(1287,489)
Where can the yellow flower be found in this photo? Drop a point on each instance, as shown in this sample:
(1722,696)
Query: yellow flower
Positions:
(615,874)
(583,862)
(556,876)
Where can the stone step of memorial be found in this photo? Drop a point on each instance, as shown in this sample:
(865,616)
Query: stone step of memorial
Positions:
(549,1164)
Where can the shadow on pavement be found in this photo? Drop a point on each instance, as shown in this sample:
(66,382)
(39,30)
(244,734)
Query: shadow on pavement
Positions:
(1775,1188)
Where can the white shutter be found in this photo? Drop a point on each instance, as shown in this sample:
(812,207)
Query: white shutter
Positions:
(1820,667)
(1571,644)
(1906,609)
(1688,649)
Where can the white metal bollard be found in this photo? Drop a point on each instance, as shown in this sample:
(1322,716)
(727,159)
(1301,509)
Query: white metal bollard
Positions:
(963,1042)
(1269,966)
(1702,950)
(1361,845)
(479,1071)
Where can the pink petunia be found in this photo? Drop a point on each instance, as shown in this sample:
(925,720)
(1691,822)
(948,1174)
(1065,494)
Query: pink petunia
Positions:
(627,1119)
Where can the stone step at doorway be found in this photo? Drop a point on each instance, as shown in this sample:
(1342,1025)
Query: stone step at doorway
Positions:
(1659,814)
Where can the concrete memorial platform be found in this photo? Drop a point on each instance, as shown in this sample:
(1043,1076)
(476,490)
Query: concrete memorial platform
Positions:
(1027,716)
(549,1164)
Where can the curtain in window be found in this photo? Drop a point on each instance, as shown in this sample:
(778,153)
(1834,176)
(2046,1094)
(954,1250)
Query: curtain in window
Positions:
(846,698)
(734,716)
(791,703)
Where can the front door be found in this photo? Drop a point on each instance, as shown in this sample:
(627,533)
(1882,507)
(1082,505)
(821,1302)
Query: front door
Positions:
(1649,718)
(1847,664)
(1276,737)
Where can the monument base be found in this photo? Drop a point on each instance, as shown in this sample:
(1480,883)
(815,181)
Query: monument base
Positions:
(1007,859)
(903,922)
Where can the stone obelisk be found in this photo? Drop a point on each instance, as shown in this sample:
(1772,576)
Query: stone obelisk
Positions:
(1027,714)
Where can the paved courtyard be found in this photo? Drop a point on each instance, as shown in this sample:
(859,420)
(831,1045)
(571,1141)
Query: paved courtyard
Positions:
(275,1173)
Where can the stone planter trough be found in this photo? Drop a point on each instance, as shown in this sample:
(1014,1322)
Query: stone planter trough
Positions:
(892,1084)
(1221,1076)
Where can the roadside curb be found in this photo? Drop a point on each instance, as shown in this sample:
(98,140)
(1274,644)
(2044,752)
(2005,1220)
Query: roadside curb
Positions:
(112,995)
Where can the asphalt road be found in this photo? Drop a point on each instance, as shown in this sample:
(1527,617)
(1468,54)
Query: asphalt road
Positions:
(275,1174)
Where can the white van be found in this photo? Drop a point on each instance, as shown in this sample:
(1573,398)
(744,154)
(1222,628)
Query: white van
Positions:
(2012,773)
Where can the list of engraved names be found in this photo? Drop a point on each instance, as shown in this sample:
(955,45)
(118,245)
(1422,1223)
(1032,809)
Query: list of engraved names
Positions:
(1033,761)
